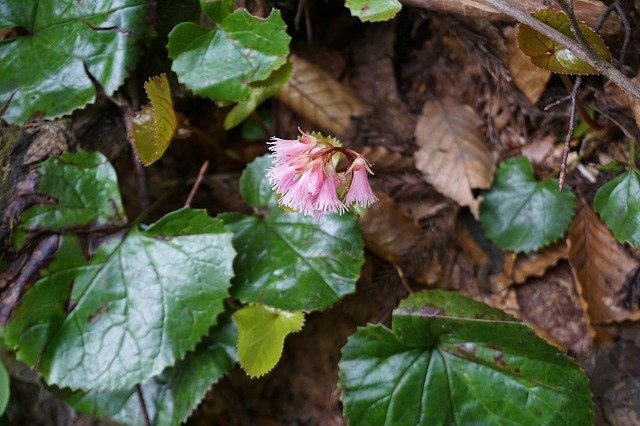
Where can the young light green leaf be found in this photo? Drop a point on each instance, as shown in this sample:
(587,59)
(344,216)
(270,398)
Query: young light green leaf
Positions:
(548,54)
(221,63)
(260,92)
(373,10)
(522,214)
(451,360)
(618,204)
(4,388)
(287,260)
(66,44)
(154,125)
(262,330)
(127,303)
(173,395)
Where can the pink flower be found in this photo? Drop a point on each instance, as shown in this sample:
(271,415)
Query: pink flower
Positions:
(304,176)
(360,192)
(327,200)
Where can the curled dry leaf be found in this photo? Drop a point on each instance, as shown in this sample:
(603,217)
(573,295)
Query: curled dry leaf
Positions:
(600,266)
(536,264)
(315,95)
(453,156)
(528,78)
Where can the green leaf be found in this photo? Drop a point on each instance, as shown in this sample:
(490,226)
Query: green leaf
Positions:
(618,203)
(451,360)
(4,388)
(262,330)
(221,63)
(373,10)
(550,55)
(154,126)
(44,70)
(173,395)
(85,188)
(217,10)
(260,92)
(287,260)
(115,308)
(522,214)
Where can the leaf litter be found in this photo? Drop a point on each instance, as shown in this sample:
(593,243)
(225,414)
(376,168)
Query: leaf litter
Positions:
(414,236)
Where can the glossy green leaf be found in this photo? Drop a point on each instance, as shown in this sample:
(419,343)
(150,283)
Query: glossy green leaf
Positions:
(221,63)
(154,126)
(260,92)
(262,331)
(287,260)
(84,187)
(550,55)
(618,203)
(4,388)
(44,70)
(452,361)
(173,395)
(373,10)
(115,308)
(522,214)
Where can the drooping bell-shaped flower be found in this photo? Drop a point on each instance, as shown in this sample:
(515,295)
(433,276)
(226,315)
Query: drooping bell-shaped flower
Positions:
(360,192)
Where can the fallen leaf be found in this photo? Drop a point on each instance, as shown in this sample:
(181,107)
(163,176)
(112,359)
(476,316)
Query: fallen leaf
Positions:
(600,266)
(536,264)
(453,156)
(315,95)
(552,307)
(528,78)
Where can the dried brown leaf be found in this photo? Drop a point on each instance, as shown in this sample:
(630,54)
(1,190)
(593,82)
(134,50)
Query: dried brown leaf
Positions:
(552,307)
(315,95)
(528,78)
(453,156)
(390,233)
(535,264)
(600,266)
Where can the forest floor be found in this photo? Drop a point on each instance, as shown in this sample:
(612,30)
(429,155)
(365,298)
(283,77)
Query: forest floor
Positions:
(384,89)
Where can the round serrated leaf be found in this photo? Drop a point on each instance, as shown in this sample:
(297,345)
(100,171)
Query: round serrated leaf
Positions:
(373,10)
(45,70)
(618,203)
(221,63)
(136,305)
(173,395)
(522,214)
(450,360)
(288,260)
(262,330)
(84,187)
(550,55)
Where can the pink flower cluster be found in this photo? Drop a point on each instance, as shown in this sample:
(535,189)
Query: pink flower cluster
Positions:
(306,180)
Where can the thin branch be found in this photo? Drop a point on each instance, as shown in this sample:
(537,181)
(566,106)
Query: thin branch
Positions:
(196,185)
(582,52)
(567,140)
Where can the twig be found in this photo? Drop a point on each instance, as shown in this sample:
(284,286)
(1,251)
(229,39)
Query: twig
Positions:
(583,112)
(625,24)
(583,52)
(143,406)
(196,185)
(567,139)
